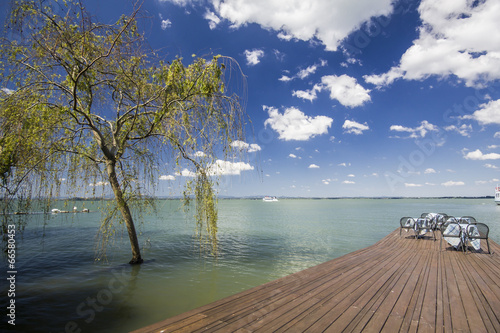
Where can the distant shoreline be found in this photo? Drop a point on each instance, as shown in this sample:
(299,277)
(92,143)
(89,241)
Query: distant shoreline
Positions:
(283,198)
(340,198)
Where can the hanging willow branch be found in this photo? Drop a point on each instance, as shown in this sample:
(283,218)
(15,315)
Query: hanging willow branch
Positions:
(89,102)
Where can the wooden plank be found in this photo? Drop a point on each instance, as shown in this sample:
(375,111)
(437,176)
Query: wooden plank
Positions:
(398,308)
(427,322)
(398,284)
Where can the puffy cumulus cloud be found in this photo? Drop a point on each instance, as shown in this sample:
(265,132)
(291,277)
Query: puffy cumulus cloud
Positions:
(222,168)
(293,124)
(166,177)
(453,183)
(328,21)
(309,95)
(478,155)
(186,173)
(165,24)
(346,90)
(212,18)
(348,182)
(429,170)
(285,78)
(459,38)
(489,113)
(199,154)
(417,132)
(241,145)
(253,56)
(313,166)
(353,127)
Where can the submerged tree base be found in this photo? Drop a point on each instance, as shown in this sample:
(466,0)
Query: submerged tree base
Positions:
(136,261)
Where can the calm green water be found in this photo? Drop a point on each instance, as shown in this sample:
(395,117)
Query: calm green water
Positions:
(60,288)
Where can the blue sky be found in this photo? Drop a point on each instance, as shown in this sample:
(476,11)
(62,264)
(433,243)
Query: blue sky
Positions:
(349,98)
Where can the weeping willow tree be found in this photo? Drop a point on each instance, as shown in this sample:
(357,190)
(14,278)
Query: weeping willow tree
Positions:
(90,102)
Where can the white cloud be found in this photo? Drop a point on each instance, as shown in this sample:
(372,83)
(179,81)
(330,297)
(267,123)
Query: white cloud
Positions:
(348,182)
(253,57)
(490,166)
(307,71)
(313,166)
(8,91)
(279,55)
(353,127)
(165,24)
(412,185)
(459,38)
(417,132)
(329,21)
(489,113)
(251,148)
(99,184)
(478,155)
(292,156)
(304,73)
(309,95)
(346,90)
(463,130)
(429,171)
(221,168)
(293,124)
(284,36)
(165,177)
(186,173)
(182,3)
(285,78)
(212,18)
(452,183)
(199,154)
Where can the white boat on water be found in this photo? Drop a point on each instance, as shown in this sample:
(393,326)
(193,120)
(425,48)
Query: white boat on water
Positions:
(270,199)
(497,195)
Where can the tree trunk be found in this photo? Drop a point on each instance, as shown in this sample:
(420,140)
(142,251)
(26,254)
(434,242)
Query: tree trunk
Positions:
(124,209)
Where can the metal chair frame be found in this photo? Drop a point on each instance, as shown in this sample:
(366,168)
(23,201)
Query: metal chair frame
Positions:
(428,225)
(403,222)
(483,230)
(468,219)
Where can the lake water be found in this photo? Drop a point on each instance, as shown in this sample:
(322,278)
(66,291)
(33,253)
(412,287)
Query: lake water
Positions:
(60,288)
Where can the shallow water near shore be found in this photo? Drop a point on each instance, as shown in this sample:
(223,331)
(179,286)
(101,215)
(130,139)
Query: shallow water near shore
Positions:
(60,288)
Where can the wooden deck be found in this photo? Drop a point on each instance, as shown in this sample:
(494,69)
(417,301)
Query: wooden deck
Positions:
(398,284)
